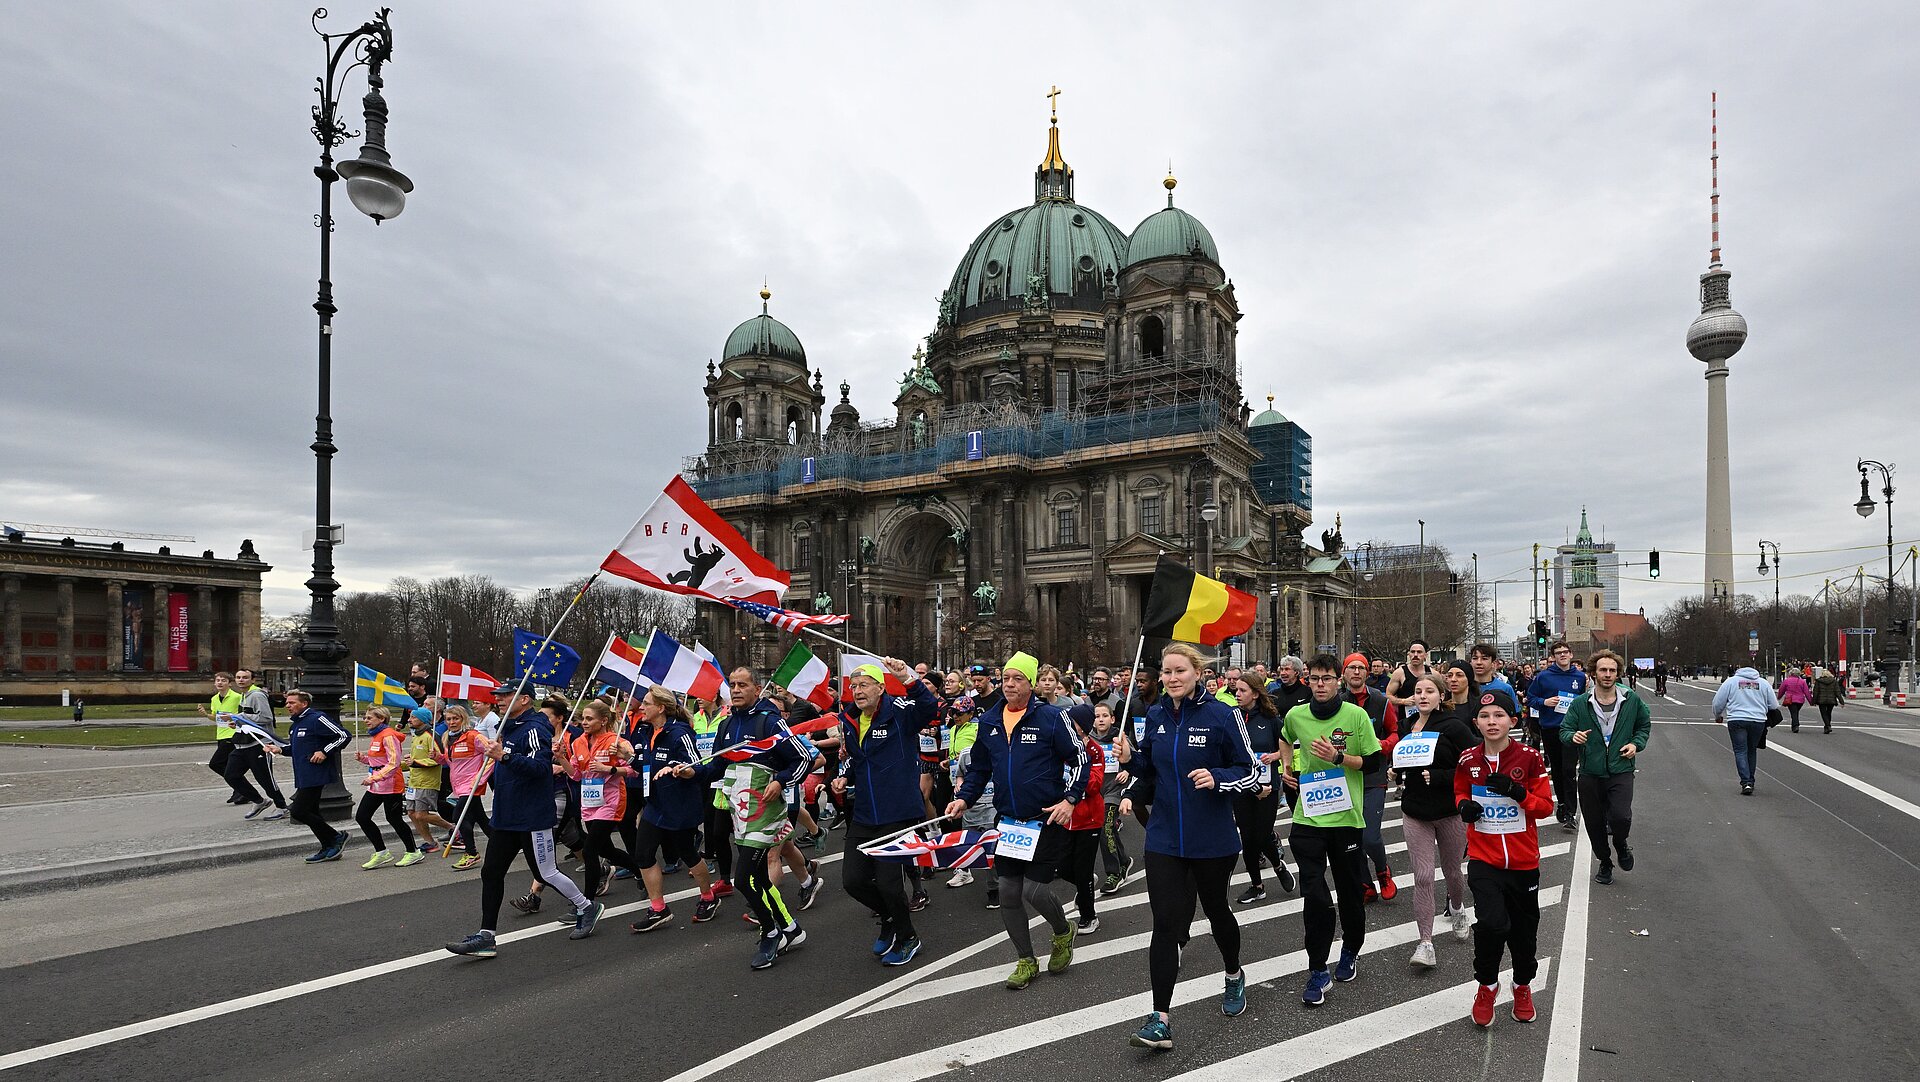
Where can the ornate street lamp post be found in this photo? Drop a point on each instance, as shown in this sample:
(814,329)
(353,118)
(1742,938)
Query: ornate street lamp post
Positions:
(379,191)
(1889,653)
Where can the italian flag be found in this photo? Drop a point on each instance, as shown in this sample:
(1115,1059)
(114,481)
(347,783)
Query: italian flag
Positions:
(805,675)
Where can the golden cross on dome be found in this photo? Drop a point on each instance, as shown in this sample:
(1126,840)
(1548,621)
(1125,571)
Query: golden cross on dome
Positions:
(1053,103)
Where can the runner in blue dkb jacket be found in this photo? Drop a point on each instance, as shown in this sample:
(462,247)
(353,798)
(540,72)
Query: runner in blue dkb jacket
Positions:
(881,735)
(1194,760)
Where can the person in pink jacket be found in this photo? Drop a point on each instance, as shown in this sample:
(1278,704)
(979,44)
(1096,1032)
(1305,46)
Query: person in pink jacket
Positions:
(1793,695)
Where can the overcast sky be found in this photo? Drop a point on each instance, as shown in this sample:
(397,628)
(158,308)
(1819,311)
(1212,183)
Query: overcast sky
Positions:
(1466,239)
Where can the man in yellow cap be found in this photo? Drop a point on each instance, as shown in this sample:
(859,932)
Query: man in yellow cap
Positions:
(1038,767)
(881,735)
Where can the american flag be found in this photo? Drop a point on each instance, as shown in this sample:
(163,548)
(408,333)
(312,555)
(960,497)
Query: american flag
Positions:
(784,619)
(955,849)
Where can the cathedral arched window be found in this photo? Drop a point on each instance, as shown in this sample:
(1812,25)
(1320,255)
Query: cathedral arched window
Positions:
(1576,601)
(796,423)
(736,422)
(1153,337)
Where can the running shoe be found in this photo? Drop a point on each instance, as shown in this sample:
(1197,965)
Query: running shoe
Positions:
(723,889)
(258,809)
(1569,825)
(750,920)
(960,878)
(409,859)
(1462,927)
(653,918)
(466,863)
(1423,955)
(815,837)
(1111,885)
(993,897)
(803,840)
(526,903)
(605,886)
(902,952)
(808,895)
(623,873)
(1062,955)
(1604,876)
(585,919)
(1746,789)
(1370,895)
(1388,888)
(1255,893)
(919,900)
(766,952)
(1154,1033)
(1625,856)
(380,859)
(1523,1003)
(1315,993)
(1284,874)
(671,869)
(278,813)
(1087,925)
(883,942)
(704,909)
(1347,968)
(477,945)
(319,856)
(1483,998)
(1024,971)
(792,939)
(1234,1000)
(332,852)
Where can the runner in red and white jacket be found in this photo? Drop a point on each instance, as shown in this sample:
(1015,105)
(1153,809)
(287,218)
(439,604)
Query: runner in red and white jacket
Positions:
(1504,790)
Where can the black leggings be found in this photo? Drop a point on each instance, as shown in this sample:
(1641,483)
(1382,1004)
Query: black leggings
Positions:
(503,848)
(1506,911)
(476,818)
(1826,716)
(600,844)
(1794,710)
(305,809)
(756,886)
(1560,764)
(1320,851)
(876,884)
(719,843)
(1255,816)
(1113,848)
(395,804)
(1080,853)
(1173,885)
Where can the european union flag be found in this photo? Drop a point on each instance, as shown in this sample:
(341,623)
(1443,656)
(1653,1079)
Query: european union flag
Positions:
(553,668)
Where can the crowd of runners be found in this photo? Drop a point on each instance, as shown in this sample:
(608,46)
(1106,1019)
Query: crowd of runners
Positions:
(1056,767)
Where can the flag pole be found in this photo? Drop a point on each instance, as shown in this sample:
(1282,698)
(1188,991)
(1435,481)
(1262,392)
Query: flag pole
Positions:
(842,643)
(472,798)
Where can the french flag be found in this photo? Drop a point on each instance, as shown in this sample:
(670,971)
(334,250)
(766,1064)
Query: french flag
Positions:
(678,668)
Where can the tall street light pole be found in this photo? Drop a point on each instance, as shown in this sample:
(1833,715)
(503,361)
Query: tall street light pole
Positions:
(380,192)
(1889,653)
(1774,548)
(1423,580)
(1476,598)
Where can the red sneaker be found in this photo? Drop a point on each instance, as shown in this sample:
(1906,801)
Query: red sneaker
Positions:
(1387,886)
(1483,1004)
(1522,1003)
(1370,895)
(723,889)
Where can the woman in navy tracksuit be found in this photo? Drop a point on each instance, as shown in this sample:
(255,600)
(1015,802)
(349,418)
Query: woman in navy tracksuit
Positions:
(1191,764)
(881,738)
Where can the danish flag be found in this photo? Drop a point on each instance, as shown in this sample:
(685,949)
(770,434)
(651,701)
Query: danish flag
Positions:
(464,682)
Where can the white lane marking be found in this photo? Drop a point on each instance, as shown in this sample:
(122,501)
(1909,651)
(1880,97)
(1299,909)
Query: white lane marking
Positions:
(1905,807)
(1123,1011)
(1563,1029)
(1107,948)
(1342,1041)
(278,995)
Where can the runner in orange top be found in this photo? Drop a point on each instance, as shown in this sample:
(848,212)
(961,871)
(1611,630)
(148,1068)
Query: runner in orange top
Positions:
(385,782)
(598,759)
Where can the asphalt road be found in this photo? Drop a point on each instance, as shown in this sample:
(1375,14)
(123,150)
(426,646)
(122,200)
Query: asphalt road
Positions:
(1775,946)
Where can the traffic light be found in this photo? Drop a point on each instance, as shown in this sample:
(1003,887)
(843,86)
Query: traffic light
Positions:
(1539,632)
(1653,564)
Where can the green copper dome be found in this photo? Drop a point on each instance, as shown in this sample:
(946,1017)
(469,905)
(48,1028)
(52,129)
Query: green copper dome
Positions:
(1072,246)
(1170,233)
(764,336)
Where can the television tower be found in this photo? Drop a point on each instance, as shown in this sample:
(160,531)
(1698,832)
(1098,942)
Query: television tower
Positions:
(1717,334)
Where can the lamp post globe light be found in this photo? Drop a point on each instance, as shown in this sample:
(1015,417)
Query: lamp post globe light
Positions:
(1864,507)
(380,191)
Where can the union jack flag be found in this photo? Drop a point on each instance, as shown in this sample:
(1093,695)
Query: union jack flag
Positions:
(955,849)
(784,619)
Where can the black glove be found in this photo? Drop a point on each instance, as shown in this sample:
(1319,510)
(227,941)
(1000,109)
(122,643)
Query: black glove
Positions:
(1505,786)
(1470,811)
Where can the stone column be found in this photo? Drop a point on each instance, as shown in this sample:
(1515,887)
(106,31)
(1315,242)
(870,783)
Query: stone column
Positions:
(202,633)
(247,633)
(116,626)
(157,627)
(63,622)
(10,599)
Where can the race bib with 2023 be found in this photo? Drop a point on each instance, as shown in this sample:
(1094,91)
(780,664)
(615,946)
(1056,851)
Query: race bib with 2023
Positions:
(1415,750)
(1325,792)
(1019,838)
(593,793)
(1498,814)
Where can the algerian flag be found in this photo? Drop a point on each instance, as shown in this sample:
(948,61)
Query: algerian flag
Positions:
(805,675)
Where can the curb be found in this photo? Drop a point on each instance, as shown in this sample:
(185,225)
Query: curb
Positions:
(86,873)
(106,747)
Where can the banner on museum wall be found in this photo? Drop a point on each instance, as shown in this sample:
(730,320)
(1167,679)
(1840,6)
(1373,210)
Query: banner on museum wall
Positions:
(178,657)
(133,619)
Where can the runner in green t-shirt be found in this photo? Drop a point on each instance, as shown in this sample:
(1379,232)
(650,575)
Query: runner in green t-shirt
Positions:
(1333,745)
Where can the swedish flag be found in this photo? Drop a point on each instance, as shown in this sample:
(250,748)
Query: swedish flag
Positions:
(373,686)
(553,668)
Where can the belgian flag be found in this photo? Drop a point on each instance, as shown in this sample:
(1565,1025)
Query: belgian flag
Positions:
(1190,607)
